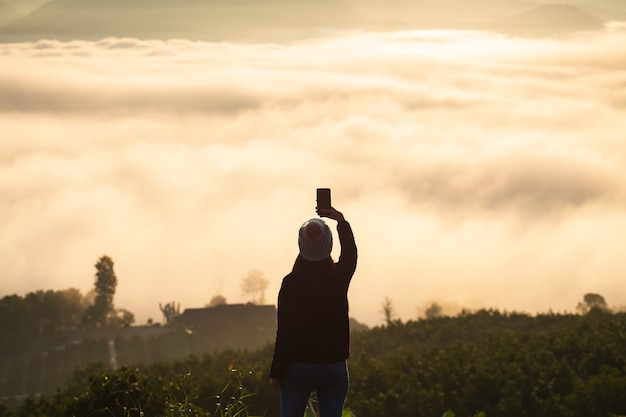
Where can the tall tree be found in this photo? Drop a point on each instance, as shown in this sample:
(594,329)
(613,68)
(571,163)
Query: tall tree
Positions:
(217,300)
(388,311)
(591,301)
(102,310)
(255,284)
(434,311)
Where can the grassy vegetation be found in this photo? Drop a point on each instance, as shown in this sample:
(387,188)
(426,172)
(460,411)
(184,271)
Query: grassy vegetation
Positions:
(482,364)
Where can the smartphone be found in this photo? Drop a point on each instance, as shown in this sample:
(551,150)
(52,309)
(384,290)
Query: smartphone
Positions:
(323,198)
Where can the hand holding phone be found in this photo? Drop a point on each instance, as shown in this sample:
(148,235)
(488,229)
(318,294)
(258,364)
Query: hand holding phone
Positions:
(324,206)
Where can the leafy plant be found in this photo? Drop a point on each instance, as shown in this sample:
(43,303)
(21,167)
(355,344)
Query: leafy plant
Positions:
(232,400)
(183,407)
(312,410)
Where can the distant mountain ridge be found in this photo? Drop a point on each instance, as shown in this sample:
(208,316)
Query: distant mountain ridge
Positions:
(258,20)
(193,19)
(549,19)
(8,13)
(549,12)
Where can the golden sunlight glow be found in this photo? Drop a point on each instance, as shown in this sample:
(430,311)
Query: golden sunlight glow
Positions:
(477,170)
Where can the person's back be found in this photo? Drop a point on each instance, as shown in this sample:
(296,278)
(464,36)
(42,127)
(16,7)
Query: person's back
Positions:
(313,337)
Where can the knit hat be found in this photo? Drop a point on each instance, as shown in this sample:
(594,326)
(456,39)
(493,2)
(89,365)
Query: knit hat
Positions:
(315,240)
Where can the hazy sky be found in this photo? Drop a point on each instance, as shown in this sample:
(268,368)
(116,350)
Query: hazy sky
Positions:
(476,170)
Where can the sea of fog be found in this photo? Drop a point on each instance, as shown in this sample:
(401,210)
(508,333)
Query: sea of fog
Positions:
(477,170)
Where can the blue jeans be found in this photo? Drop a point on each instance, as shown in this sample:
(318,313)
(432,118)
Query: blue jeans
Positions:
(329,381)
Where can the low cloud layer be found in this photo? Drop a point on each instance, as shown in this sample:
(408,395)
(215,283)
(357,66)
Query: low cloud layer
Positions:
(477,170)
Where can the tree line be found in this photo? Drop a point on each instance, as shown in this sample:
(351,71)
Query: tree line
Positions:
(42,315)
(486,363)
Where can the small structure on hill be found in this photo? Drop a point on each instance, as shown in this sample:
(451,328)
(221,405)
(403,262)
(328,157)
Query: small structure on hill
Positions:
(227,315)
(232,325)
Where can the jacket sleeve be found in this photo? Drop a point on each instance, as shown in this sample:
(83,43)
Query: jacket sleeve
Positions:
(348,256)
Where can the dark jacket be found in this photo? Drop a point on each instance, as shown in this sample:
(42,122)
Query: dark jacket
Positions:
(313,324)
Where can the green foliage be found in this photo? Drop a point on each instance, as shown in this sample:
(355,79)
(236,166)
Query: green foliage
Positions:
(592,301)
(39,316)
(233,398)
(5,411)
(102,312)
(135,392)
(106,281)
(311,409)
(513,365)
(482,364)
(42,320)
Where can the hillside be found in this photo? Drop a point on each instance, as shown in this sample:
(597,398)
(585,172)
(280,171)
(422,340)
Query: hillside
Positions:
(552,19)
(507,16)
(259,20)
(24,6)
(191,19)
(448,14)
(616,5)
(496,363)
(7,13)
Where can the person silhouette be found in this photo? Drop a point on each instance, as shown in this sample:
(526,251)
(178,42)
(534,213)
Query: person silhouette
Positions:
(313,335)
